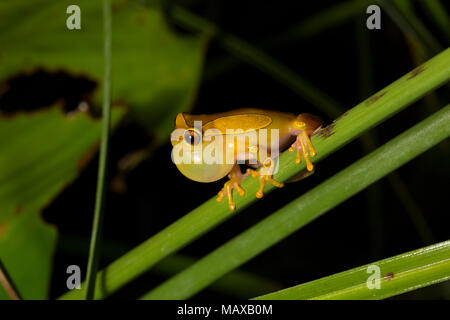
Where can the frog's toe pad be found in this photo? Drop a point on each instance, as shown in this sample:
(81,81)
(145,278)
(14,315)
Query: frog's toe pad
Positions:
(227,191)
(304,147)
(263,179)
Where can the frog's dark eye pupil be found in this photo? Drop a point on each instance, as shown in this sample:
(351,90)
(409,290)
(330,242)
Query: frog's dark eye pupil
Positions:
(191,137)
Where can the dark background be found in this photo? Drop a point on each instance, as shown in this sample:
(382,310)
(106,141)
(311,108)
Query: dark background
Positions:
(370,226)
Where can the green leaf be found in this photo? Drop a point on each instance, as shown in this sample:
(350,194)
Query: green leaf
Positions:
(399,274)
(154,71)
(40,153)
(27,239)
(204,218)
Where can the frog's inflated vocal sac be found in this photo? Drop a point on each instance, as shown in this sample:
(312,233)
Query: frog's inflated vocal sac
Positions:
(239,133)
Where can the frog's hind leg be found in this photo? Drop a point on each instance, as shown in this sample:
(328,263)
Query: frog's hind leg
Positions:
(265,175)
(235,177)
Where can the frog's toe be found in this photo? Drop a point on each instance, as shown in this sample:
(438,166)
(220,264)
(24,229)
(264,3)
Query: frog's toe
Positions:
(227,191)
(304,147)
(263,179)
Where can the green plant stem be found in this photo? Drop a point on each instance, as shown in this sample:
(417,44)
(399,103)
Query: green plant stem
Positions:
(247,282)
(253,56)
(369,140)
(251,284)
(414,213)
(402,273)
(307,208)
(348,127)
(403,15)
(369,143)
(94,250)
(438,15)
(330,17)
(333,16)
(257,58)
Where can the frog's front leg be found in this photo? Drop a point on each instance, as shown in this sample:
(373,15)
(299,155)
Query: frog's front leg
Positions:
(235,177)
(303,127)
(265,175)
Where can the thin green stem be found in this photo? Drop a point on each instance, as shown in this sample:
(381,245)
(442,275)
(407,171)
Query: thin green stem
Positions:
(403,15)
(257,58)
(412,209)
(332,16)
(369,139)
(94,249)
(402,273)
(346,128)
(307,208)
(438,15)
(369,143)
(247,282)
(251,284)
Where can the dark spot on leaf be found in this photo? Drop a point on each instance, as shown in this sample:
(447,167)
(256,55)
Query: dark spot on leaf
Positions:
(389,276)
(2,229)
(18,210)
(416,72)
(41,89)
(374,98)
(327,131)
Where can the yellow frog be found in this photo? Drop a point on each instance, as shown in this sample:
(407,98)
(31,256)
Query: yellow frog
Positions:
(253,136)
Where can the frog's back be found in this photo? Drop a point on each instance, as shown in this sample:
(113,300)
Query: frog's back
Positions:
(280,121)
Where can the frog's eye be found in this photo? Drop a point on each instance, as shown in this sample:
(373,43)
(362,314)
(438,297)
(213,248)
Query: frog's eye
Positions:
(192,137)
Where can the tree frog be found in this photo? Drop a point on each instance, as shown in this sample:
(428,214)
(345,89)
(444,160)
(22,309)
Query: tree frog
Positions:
(208,147)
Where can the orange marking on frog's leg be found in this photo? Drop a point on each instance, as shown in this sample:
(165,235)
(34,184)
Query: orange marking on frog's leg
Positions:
(235,177)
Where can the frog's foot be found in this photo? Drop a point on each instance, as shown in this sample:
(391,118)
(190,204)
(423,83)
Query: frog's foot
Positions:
(227,189)
(304,146)
(263,179)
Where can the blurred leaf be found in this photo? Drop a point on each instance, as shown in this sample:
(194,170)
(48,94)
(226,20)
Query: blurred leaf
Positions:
(153,70)
(40,153)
